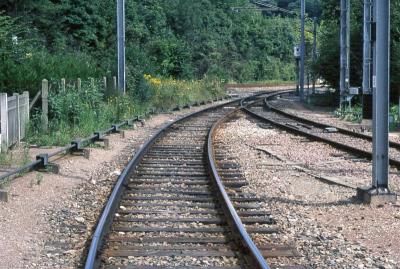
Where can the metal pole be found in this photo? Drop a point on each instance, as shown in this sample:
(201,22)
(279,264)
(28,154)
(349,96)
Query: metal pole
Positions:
(367,59)
(344,48)
(297,78)
(121,45)
(302,49)
(373,83)
(314,51)
(381,96)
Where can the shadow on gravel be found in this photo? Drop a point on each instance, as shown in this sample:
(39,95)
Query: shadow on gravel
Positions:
(345,202)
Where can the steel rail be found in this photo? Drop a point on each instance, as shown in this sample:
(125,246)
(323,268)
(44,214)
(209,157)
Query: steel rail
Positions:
(322,125)
(234,220)
(105,221)
(345,147)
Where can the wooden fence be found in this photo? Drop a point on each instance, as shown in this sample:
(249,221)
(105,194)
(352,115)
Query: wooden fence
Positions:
(14,110)
(14,118)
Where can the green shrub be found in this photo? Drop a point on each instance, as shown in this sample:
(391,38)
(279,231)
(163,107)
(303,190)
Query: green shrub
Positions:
(25,61)
(75,113)
(352,114)
(168,93)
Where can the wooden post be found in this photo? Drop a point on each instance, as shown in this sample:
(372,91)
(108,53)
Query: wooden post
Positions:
(25,116)
(4,121)
(63,85)
(18,117)
(105,84)
(79,84)
(45,105)
(115,84)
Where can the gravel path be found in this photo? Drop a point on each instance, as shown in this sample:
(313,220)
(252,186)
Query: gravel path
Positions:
(328,227)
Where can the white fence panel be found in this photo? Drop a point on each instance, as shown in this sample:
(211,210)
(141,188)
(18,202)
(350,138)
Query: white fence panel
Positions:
(13,123)
(14,118)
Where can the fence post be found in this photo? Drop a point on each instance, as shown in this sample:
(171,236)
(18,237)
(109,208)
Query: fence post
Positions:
(25,115)
(114,84)
(18,118)
(4,121)
(79,84)
(63,84)
(45,105)
(105,84)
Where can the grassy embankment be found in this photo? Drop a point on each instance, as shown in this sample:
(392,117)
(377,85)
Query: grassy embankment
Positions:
(78,113)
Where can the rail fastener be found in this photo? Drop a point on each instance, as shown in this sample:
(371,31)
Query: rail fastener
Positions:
(45,166)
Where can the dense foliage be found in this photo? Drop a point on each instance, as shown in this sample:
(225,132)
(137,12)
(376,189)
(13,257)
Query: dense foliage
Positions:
(328,64)
(183,39)
(178,51)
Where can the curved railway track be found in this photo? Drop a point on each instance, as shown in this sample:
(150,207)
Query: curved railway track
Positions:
(353,142)
(174,206)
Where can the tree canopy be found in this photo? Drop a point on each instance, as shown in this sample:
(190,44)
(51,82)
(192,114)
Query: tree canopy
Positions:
(328,64)
(171,38)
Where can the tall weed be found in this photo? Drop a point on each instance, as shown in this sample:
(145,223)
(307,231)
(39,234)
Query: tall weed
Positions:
(75,113)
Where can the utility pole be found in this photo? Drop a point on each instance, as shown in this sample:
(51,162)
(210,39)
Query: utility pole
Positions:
(314,51)
(379,192)
(381,96)
(121,46)
(344,49)
(302,48)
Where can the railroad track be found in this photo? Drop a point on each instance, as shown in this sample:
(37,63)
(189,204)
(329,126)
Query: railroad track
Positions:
(353,142)
(171,208)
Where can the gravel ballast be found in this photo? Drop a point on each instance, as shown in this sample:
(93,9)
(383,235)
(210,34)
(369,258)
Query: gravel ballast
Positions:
(328,227)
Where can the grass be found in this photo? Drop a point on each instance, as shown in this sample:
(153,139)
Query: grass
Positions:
(37,180)
(18,156)
(351,114)
(75,114)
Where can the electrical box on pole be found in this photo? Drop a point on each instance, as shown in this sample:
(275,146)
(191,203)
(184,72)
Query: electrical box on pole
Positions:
(367,61)
(367,48)
(296,52)
(379,191)
(121,46)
